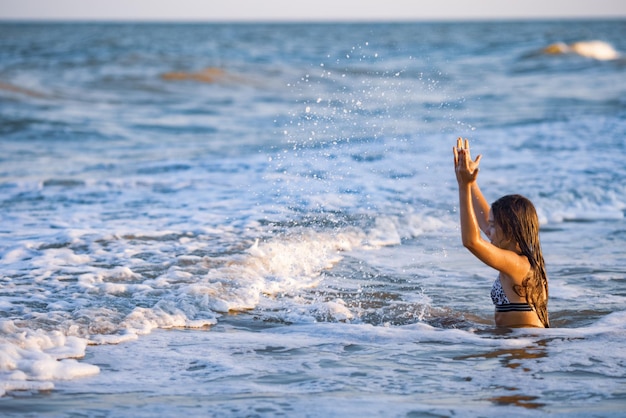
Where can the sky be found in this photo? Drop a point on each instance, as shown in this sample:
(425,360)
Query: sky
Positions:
(315,10)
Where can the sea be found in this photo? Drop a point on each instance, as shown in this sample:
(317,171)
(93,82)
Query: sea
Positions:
(261,219)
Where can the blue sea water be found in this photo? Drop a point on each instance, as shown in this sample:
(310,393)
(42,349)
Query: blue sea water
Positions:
(261,219)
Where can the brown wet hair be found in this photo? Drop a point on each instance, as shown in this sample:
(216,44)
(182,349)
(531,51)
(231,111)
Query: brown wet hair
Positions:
(517,217)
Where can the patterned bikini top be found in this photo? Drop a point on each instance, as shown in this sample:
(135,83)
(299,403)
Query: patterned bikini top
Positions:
(499,298)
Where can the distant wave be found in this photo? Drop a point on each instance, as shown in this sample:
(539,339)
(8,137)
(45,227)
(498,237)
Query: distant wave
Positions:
(208,75)
(20,90)
(598,50)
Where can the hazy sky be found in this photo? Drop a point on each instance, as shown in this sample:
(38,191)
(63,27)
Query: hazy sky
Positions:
(250,10)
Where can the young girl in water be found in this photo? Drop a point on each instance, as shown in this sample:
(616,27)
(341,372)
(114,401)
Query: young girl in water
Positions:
(520,293)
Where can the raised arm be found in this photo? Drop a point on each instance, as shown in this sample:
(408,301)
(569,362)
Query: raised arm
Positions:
(481,207)
(471,199)
(471,203)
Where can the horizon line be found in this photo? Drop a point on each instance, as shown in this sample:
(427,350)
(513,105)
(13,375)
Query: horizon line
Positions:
(441,19)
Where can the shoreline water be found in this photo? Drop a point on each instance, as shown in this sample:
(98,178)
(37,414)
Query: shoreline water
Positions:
(218,372)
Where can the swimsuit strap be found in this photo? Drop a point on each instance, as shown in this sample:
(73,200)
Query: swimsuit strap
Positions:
(514,307)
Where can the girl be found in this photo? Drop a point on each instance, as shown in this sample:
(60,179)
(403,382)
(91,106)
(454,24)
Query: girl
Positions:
(520,293)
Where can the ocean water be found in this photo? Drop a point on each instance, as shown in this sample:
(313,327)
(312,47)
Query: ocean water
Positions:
(261,219)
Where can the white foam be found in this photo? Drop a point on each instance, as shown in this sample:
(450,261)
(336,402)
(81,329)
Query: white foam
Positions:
(11,256)
(598,205)
(62,257)
(613,322)
(144,320)
(41,356)
(393,335)
(595,49)
(335,310)
(572,214)
(384,233)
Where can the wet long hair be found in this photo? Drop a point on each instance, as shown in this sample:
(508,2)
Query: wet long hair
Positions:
(517,217)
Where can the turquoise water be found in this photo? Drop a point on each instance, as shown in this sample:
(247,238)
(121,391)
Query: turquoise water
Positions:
(256,220)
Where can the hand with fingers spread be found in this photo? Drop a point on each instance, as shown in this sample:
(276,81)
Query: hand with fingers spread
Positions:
(466,169)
